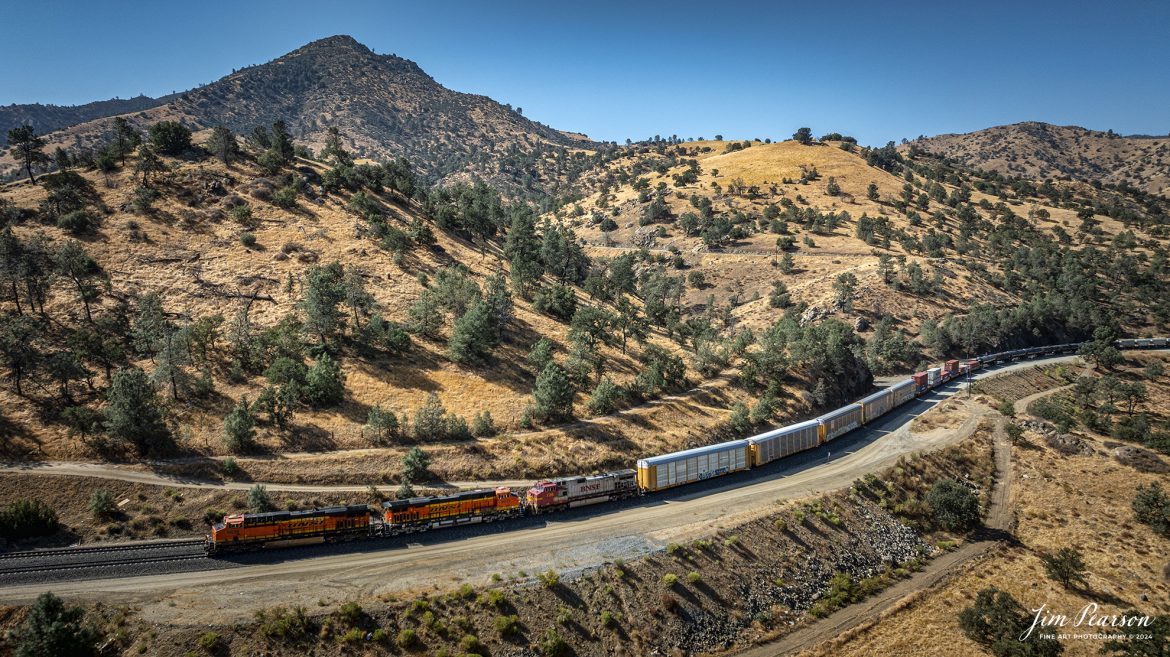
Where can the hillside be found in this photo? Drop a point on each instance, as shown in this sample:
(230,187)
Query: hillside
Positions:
(756,228)
(50,118)
(218,282)
(1040,151)
(385,106)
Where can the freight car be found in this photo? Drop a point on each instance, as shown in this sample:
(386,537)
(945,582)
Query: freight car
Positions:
(785,441)
(418,514)
(839,422)
(669,470)
(572,492)
(285,528)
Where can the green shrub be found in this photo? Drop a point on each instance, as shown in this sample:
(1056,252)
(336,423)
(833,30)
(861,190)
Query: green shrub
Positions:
(955,507)
(101,504)
(694,577)
(552,645)
(209,641)
(284,624)
(669,580)
(508,625)
(248,239)
(26,518)
(550,578)
(407,638)
(350,613)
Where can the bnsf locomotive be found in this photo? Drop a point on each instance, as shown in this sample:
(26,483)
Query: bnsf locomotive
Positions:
(340,523)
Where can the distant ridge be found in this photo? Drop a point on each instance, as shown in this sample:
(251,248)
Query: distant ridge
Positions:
(385,107)
(1040,151)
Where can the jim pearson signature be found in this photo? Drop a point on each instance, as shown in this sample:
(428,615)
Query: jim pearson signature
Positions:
(1087,617)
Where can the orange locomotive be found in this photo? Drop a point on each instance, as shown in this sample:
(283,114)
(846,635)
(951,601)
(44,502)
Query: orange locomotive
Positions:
(282,528)
(423,513)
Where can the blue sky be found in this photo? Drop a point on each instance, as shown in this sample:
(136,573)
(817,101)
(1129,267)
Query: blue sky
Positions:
(877,70)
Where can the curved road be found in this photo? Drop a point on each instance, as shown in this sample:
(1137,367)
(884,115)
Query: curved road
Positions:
(568,541)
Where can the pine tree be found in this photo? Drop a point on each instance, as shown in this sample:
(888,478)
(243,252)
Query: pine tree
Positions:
(239,428)
(223,145)
(357,299)
(553,394)
(28,149)
(334,149)
(430,420)
(79,268)
(126,139)
(148,163)
(258,499)
(325,382)
(414,465)
(150,325)
(425,315)
(53,630)
(603,399)
(133,412)
(540,355)
(474,335)
(170,137)
(170,355)
(323,292)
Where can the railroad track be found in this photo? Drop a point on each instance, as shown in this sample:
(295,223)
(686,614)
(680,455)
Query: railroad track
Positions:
(5,569)
(99,557)
(81,551)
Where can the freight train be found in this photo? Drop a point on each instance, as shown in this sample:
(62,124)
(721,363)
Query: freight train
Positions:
(393,518)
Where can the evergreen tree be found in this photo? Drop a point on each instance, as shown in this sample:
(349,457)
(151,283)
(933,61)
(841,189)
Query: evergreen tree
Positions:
(223,145)
(414,465)
(323,292)
(55,630)
(239,428)
(425,315)
(334,149)
(170,137)
(603,399)
(474,335)
(357,299)
(430,420)
(803,136)
(325,382)
(498,300)
(126,139)
(16,346)
(484,426)
(133,412)
(150,325)
(79,268)
(148,163)
(522,248)
(28,149)
(553,394)
(171,355)
(382,426)
(258,499)
(540,355)
(1066,566)
(954,506)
